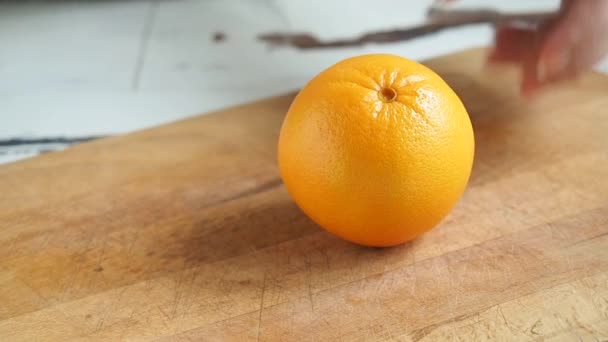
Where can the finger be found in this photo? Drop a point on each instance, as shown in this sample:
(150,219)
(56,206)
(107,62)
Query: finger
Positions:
(534,73)
(520,46)
(577,41)
(511,45)
(532,79)
(557,49)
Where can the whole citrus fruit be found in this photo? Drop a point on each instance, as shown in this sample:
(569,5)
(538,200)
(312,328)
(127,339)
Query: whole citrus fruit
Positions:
(376,149)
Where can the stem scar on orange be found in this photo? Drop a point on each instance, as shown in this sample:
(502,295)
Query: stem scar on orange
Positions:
(377,149)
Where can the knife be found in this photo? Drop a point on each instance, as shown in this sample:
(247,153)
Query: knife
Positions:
(437,18)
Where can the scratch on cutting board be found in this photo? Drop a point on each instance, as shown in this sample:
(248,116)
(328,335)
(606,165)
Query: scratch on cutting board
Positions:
(536,325)
(419,334)
(133,240)
(11,245)
(164,313)
(80,257)
(192,290)
(177,295)
(103,252)
(269,185)
(309,281)
(127,326)
(327,263)
(261,306)
(504,319)
(589,239)
(33,289)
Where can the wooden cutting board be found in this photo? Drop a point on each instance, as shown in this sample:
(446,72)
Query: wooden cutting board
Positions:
(185,232)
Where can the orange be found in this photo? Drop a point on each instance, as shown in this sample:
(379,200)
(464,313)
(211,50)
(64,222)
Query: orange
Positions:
(376,149)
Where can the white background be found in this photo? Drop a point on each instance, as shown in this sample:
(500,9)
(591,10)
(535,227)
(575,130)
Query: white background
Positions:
(79,68)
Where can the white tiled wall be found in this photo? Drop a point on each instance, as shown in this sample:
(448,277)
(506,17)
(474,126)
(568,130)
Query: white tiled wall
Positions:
(79,68)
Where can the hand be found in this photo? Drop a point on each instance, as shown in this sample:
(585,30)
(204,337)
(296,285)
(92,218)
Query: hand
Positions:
(558,49)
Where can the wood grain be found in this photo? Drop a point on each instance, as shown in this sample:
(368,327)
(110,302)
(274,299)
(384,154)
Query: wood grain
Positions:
(185,233)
